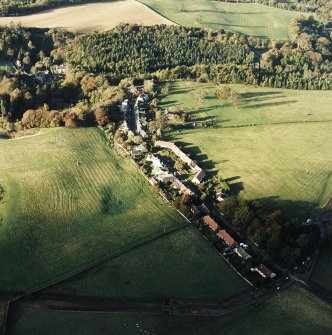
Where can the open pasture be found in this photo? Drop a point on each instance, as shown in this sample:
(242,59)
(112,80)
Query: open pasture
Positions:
(179,266)
(293,311)
(245,18)
(90,17)
(287,164)
(69,202)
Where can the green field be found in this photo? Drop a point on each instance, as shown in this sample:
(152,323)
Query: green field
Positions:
(293,311)
(68,203)
(245,18)
(177,266)
(7,66)
(285,161)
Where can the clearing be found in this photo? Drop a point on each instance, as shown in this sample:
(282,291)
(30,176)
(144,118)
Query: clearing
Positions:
(245,18)
(293,311)
(91,17)
(285,161)
(68,203)
(179,266)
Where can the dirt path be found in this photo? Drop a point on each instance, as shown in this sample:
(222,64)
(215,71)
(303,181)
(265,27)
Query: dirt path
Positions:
(91,17)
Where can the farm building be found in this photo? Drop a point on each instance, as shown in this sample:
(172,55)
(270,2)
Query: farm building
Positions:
(229,240)
(211,223)
(242,253)
(264,271)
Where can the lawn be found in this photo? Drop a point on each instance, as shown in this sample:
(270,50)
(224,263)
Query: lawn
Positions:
(179,266)
(69,202)
(245,18)
(285,161)
(293,311)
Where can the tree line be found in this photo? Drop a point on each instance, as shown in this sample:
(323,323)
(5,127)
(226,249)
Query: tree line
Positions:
(178,53)
(286,239)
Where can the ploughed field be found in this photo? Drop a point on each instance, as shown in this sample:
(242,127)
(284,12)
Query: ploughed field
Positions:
(294,311)
(69,202)
(275,145)
(90,17)
(245,18)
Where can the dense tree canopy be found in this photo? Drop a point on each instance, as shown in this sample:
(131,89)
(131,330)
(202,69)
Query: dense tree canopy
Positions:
(178,52)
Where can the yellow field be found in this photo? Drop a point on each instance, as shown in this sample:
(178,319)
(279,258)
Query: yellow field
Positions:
(91,17)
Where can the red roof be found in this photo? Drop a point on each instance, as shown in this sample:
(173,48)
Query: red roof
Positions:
(212,224)
(227,238)
(264,270)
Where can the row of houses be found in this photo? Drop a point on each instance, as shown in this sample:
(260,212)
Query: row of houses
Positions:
(262,270)
(200,173)
(161,174)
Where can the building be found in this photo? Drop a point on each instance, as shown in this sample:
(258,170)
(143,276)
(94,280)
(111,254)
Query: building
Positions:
(264,271)
(60,69)
(242,253)
(179,153)
(166,177)
(211,223)
(153,182)
(198,177)
(139,150)
(158,167)
(124,106)
(228,239)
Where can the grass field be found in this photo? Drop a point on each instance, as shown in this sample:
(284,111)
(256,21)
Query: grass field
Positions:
(245,18)
(286,165)
(7,66)
(177,266)
(69,202)
(90,17)
(293,311)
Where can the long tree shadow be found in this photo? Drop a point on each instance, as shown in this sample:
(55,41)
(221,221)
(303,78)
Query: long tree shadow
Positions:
(294,208)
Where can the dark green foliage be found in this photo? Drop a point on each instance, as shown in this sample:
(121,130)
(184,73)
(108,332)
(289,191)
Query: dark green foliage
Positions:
(285,239)
(187,53)
(134,50)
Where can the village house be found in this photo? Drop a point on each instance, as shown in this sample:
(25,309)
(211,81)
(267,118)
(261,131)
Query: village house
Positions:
(158,167)
(211,223)
(179,153)
(139,150)
(242,253)
(229,240)
(124,106)
(59,69)
(124,127)
(153,182)
(198,177)
(264,271)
